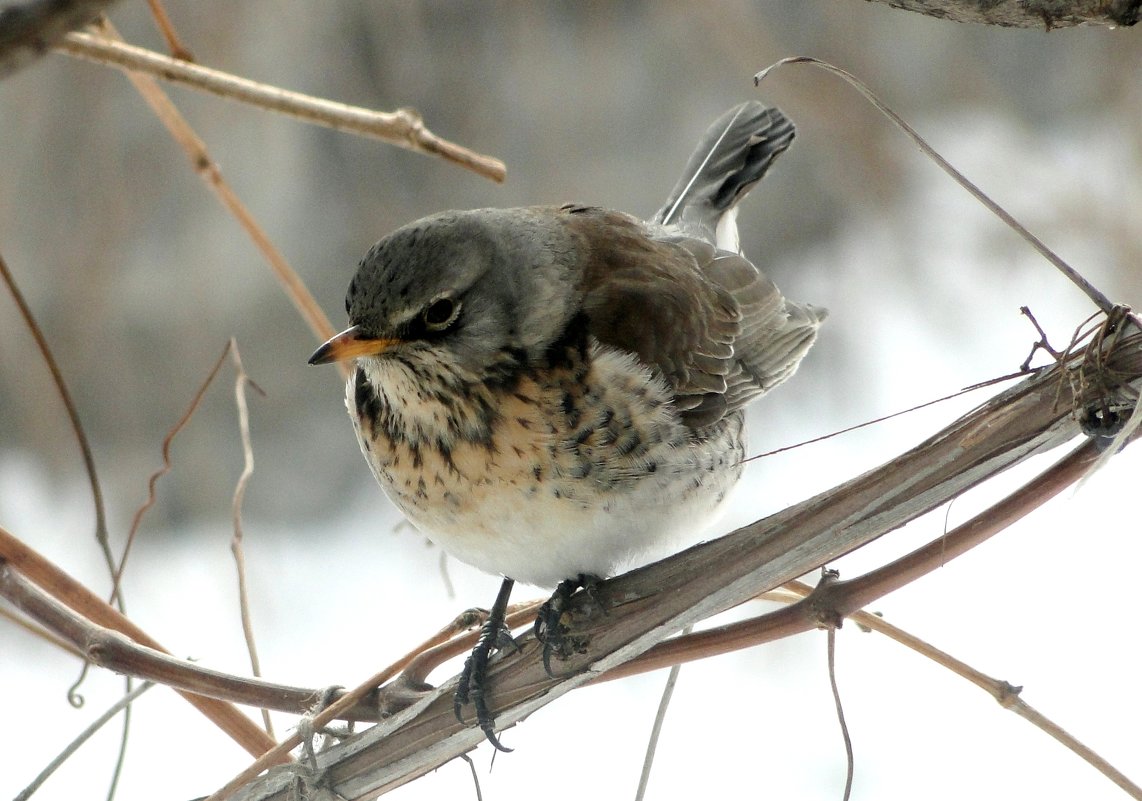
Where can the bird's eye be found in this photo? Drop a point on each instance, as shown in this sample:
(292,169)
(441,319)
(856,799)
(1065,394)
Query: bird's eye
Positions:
(441,313)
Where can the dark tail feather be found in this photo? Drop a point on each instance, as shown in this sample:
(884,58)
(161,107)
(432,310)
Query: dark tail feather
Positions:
(731,157)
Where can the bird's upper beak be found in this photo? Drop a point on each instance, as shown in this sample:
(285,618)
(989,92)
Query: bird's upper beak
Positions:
(350,344)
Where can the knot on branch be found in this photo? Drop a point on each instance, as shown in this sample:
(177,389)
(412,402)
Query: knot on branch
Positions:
(103,647)
(1102,386)
(1007,694)
(821,604)
(401,693)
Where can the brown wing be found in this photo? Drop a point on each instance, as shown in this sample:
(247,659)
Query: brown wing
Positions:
(718,330)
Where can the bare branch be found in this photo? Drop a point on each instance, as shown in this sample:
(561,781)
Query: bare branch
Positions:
(1027,13)
(108,648)
(845,736)
(656,729)
(83,737)
(101,536)
(1090,290)
(167,465)
(1006,695)
(166,28)
(22,567)
(240,382)
(39,632)
(404,128)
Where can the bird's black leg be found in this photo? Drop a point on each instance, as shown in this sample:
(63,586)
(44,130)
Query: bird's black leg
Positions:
(494,635)
(549,626)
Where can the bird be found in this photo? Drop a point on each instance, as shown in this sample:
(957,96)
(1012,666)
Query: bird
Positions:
(551,393)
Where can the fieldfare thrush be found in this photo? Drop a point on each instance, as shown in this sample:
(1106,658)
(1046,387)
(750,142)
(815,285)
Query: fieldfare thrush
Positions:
(549,393)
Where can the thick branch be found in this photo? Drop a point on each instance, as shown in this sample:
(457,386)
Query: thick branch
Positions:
(647,605)
(836,600)
(1027,13)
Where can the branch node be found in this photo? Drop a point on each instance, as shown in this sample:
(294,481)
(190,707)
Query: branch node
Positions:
(1042,344)
(820,605)
(1007,694)
(1105,415)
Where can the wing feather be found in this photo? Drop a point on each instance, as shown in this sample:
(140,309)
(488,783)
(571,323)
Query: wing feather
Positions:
(711,323)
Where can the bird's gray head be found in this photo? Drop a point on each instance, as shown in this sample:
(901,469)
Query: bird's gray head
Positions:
(467,290)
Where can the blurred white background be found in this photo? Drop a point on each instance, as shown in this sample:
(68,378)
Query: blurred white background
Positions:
(139,279)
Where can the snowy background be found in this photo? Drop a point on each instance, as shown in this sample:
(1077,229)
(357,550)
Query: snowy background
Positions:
(139,279)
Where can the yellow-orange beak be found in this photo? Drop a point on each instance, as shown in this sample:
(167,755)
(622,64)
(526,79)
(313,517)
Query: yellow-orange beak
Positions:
(350,344)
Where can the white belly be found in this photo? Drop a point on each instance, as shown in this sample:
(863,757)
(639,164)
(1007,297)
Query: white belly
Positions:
(552,497)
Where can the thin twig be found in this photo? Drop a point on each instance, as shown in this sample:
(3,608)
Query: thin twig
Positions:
(124,738)
(72,413)
(656,729)
(167,465)
(475,778)
(831,645)
(84,736)
(1096,296)
(338,708)
(1007,695)
(74,697)
(1029,713)
(1021,373)
(166,28)
(107,648)
(403,128)
(417,670)
(240,382)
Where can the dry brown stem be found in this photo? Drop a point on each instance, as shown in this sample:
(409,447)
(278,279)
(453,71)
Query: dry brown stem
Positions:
(1006,694)
(241,380)
(167,466)
(166,28)
(22,566)
(107,648)
(404,127)
(101,536)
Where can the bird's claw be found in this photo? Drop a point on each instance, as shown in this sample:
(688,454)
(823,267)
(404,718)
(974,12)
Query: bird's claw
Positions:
(471,688)
(551,628)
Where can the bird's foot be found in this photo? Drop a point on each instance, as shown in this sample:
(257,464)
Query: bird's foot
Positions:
(472,687)
(552,623)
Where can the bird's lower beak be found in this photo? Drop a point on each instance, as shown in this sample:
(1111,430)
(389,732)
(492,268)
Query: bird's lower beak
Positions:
(350,344)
